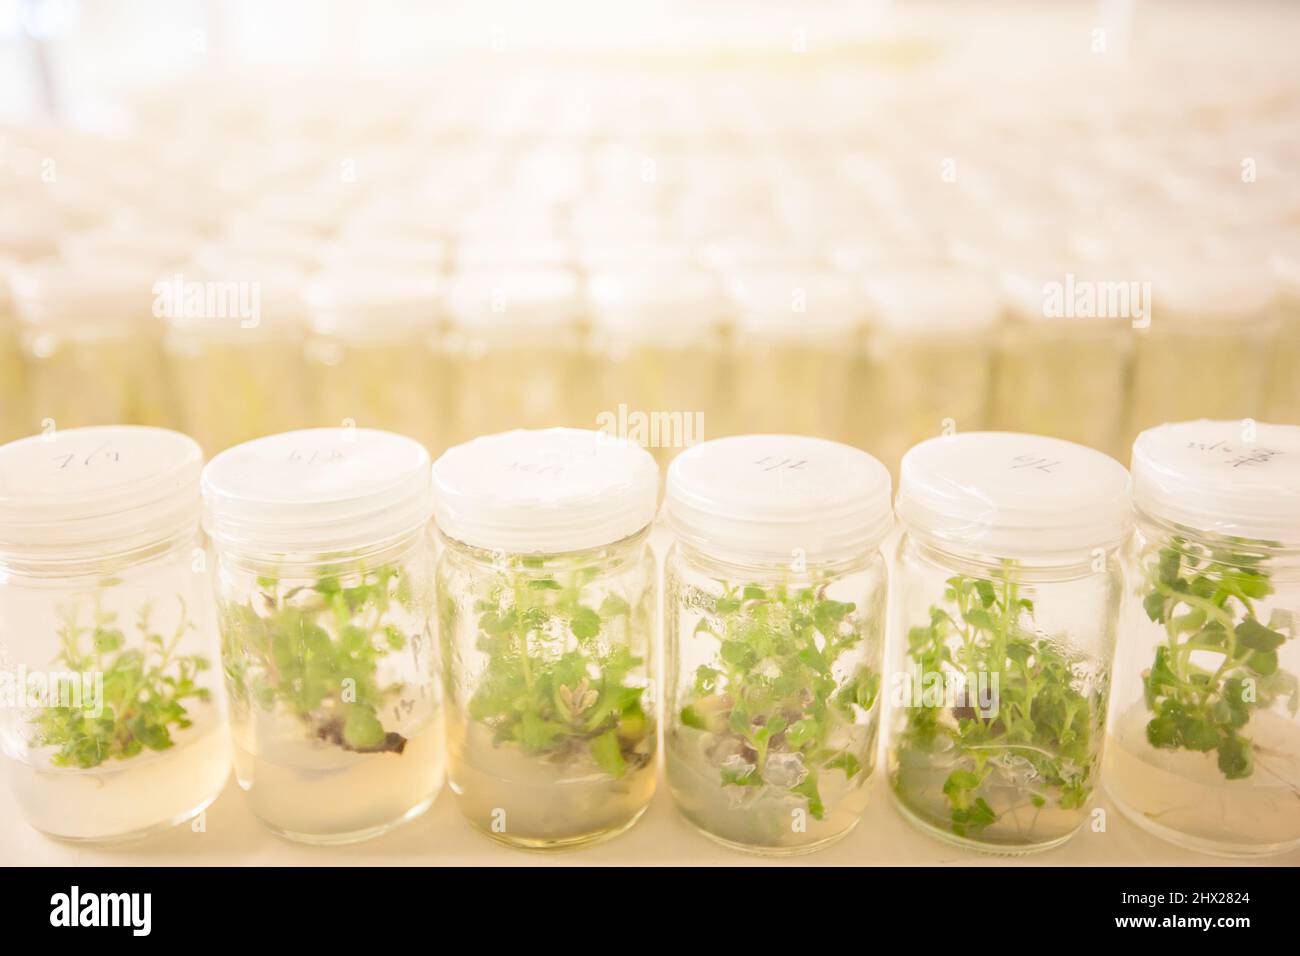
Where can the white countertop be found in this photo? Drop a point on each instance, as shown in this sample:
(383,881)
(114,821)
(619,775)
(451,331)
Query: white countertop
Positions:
(230,836)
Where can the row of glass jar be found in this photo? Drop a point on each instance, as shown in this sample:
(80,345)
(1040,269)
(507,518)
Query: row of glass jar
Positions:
(660,350)
(541,680)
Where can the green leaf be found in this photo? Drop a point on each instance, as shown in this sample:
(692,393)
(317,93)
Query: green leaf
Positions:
(608,754)
(362,729)
(585,623)
(1250,633)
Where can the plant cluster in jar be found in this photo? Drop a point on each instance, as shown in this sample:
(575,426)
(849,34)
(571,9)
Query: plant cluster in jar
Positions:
(777,716)
(1218,663)
(1038,737)
(315,649)
(557,682)
(147,689)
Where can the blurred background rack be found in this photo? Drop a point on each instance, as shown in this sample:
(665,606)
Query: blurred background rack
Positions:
(874,222)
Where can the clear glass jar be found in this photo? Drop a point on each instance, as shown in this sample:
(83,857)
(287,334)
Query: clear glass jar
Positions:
(796,335)
(547,607)
(107,634)
(236,354)
(1062,370)
(524,351)
(775,597)
(1205,748)
(92,341)
(376,356)
(1207,351)
(324,586)
(13,372)
(1284,397)
(929,359)
(662,342)
(1007,593)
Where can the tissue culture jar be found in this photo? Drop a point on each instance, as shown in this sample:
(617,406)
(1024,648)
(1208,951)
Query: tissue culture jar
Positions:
(13,384)
(551,726)
(376,357)
(524,351)
(922,385)
(1008,602)
(235,383)
(1208,350)
(1067,378)
(665,382)
(231,391)
(392,384)
(107,624)
(775,629)
(548,635)
(93,349)
(326,629)
(772,735)
(1206,738)
(793,350)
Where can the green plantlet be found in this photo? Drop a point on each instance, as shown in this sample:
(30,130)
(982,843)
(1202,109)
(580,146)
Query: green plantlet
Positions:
(1037,737)
(1205,599)
(144,690)
(557,683)
(315,650)
(774,704)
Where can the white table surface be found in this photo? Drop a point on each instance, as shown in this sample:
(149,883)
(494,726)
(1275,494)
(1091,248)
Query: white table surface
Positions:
(231,836)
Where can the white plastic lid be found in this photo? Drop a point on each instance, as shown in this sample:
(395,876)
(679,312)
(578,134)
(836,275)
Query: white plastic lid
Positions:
(678,307)
(98,491)
(1008,495)
(544,492)
(57,292)
(1198,288)
(799,305)
(365,303)
(934,302)
(772,498)
(512,300)
(316,491)
(1221,478)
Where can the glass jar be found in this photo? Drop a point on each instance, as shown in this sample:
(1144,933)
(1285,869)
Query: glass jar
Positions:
(547,605)
(929,359)
(796,335)
(1206,352)
(1063,357)
(524,350)
(324,586)
(106,632)
(13,373)
(1007,595)
(234,346)
(1284,397)
(661,339)
(775,630)
(92,340)
(1205,748)
(376,356)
